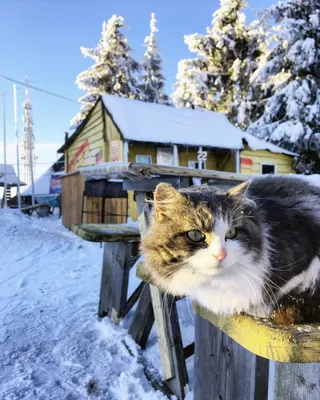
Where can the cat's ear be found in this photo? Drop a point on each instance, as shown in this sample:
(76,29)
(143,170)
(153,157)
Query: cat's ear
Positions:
(239,189)
(165,197)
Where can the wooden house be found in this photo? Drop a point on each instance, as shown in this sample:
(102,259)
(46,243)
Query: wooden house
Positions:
(119,129)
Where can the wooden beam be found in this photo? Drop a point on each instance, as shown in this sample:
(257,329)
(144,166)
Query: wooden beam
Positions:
(294,381)
(297,343)
(143,319)
(107,232)
(150,184)
(137,172)
(117,261)
(134,297)
(162,333)
(224,369)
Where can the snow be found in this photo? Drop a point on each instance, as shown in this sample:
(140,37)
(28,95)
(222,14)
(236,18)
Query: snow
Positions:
(150,122)
(52,345)
(152,79)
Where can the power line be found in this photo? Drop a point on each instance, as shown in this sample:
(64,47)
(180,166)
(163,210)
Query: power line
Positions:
(39,89)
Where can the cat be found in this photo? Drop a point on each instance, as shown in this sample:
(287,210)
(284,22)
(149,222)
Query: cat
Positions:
(240,250)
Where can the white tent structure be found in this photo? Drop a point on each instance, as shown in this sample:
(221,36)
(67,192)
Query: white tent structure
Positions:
(8,177)
(9,173)
(44,185)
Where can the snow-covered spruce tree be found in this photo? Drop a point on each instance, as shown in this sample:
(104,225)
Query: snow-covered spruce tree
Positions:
(113,71)
(219,78)
(290,79)
(152,79)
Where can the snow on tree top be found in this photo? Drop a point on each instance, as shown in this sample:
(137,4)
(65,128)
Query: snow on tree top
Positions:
(151,122)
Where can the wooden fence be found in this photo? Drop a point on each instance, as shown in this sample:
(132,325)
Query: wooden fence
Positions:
(91,206)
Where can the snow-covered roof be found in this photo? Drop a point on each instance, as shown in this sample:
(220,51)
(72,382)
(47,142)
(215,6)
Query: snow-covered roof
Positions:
(12,178)
(151,122)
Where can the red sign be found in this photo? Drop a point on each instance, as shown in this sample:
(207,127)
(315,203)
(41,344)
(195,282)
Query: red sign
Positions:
(78,155)
(246,161)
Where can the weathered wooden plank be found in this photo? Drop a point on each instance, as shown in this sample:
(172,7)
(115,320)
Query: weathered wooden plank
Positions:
(136,172)
(134,297)
(294,381)
(297,343)
(179,385)
(117,259)
(150,185)
(162,333)
(107,232)
(143,318)
(223,368)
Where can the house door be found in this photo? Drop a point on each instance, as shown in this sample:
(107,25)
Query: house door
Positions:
(165,156)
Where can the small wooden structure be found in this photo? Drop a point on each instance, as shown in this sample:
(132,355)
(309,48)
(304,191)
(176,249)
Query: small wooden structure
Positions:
(93,201)
(120,248)
(237,357)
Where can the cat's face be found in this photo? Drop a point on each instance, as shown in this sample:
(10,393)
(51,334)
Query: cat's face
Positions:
(199,235)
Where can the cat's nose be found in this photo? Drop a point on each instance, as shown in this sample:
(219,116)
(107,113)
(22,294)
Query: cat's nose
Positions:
(220,254)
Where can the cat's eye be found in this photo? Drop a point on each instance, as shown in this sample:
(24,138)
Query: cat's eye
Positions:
(231,233)
(196,236)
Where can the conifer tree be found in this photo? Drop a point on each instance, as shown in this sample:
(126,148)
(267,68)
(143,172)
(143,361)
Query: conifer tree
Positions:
(219,78)
(152,80)
(113,71)
(290,81)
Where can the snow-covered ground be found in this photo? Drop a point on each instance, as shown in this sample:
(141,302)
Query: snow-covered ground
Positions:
(51,344)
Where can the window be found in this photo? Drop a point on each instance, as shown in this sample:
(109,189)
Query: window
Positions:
(268,169)
(195,164)
(144,159)
(165,156)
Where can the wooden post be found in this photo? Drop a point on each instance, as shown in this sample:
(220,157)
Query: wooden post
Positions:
(143,319)
(224,369)
(290,381)
(117,259)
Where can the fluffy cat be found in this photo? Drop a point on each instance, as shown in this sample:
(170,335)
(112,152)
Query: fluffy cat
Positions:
(237,251)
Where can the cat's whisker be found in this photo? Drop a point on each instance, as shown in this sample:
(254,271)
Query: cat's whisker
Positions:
(263,284)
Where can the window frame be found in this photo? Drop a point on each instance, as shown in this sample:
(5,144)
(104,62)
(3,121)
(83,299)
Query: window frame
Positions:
(204,164)
(269,165)
(143,155)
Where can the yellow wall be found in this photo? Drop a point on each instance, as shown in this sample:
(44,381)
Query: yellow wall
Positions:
(282,161)
(88,144)
(143,149)
(186,155)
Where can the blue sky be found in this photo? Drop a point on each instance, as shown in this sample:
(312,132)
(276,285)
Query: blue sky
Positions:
(42,39)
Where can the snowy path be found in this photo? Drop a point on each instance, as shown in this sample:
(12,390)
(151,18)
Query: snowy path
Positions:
(51,344)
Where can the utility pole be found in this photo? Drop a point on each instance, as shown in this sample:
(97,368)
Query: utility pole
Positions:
(28,143)
(17,140)
(5,150)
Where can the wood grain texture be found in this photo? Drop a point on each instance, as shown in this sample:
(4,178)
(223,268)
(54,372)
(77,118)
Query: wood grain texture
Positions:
(295,381)
(224,370)
(162,332)
(298,343)
(138,172)
(117,259)
(107,232)
(143,318)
